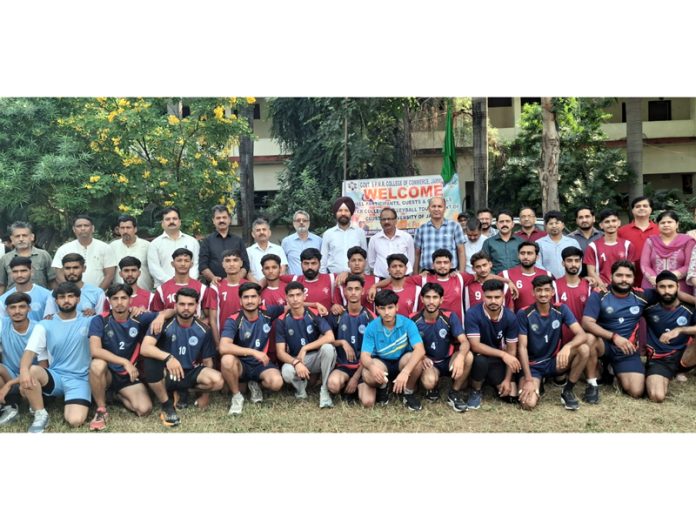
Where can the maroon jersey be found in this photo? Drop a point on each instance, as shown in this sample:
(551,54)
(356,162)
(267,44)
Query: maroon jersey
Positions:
(273,296)
(165,293)
(523,282)
(408,297)
(340,298)
(454,287)
(603,256)
(575,298)
(139,298)
(224,298)
(320,290)
(473,295)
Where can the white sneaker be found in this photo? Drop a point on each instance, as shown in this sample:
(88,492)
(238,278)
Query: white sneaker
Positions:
(8,413)
(325,400)
(255,393)
(40,421)
(237,404)
(301,389)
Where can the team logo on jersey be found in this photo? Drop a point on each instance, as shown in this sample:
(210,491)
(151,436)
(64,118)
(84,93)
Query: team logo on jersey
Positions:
(442,333)
(609,310)
(291,332)
(193,341)
(555,324)
(35,306)
(681,321)
(325,290)
(110,334)
(310,328)
(344,327)
(247,334)
(634,310)
(655,318)
(133,332)
(621,320)
(361,329)
(535,327)
(266,328)
(583,298)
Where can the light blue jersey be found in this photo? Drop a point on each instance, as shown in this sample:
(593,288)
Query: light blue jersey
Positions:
(384,344)
(39,297)
(91,297)
(13,344)
(65,343)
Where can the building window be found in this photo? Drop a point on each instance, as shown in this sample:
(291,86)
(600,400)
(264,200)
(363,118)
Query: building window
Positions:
(530,101)
(257,112)
(688,183)
(499,102)
(660,110)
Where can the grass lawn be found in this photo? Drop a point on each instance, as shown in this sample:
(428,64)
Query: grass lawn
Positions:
(283,413)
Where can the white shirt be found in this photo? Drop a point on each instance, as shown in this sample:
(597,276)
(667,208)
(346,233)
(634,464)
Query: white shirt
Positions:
(471,249)
(334,247)
(137,250)
(381,246)
(159,256)
(255,253)
(98,256)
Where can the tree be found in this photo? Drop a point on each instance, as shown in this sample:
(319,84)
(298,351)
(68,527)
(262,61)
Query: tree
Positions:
(589,171)
(148,153)
(314,131)
(480,129)
(634,146)
(550,153)
(246,174)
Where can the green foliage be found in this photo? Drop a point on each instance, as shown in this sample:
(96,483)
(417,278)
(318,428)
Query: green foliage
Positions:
(673,200)
(589,170)
(312,129)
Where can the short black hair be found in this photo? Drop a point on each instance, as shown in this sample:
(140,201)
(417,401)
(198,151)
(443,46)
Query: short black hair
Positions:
(249,286)
(540,280)
(571,251)
(623,263)
(82,216)
(187,291)
(355,278)
(16,298)
(493,285)
(478,256)
(529,244)
(397,257)
(182,252)
(432,286)
(234,252)
(386,297)
(169,209)
(473,225)
(356,250)
(270,257)
(607,212)
(66,288)
(125,218)
(554,214)
(73,257)
(583,207)
(484,210)
(293,286)
(310,254)
(129,261)
(20,261)
(504,212)
(641,198)
(117,288)
(220,208)
(442,253)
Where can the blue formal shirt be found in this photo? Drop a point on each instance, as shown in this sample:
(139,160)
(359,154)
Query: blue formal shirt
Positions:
(293,246)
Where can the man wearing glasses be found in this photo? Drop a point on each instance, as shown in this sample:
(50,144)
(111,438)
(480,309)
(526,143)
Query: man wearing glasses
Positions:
(388,241)
(294,244)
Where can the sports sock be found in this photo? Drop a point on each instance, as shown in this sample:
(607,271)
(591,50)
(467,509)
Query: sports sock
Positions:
(592,381)
(408,391)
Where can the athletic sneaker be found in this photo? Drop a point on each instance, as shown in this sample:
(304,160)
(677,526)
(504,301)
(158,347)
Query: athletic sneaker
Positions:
(591,395)
(569,400)
(433,395)
(474,401)
(383,395)
(412,402)
(560,380)
(236,404)
(169,418)
(99,421)
(325,400)
(183,400)
(301,389)
(349,399)
(455,401)
(255,393)
(8,413)
(40,421)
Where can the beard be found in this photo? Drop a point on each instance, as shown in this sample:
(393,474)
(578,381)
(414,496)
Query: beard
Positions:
(620,289)
(67,309)
(668,299)
(310,274)
(343,220)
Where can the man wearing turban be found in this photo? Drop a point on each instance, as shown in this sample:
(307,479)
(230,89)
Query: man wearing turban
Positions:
(337,240)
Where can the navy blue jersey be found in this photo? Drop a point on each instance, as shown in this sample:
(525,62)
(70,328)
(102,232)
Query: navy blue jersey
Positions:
(253,334)
(619,314)
(660,320)
(298,332)
(439,335)
(121,338)
(350,328)
(544,332)
(189,345)
(493,333)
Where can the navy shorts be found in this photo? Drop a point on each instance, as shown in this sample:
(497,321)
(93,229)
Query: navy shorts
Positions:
(667,366)
(442,366)
(620,362)
(543,368)
(348,369)
(253,371)
(121,381)
(392,367)
(189,381)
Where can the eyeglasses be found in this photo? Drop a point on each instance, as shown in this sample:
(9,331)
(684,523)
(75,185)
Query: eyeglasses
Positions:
(301,221)
(386,218)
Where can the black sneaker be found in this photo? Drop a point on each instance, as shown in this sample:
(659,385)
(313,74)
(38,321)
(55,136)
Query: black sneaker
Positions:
(183,401)
(591,395)
(412,402)
(383,395)
(569,400)
(350,399)
(542,388)
(169,418)
(456,402)
(433,395)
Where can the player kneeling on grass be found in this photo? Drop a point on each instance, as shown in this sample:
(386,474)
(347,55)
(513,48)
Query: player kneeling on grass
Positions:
(244,348)
(303,344)
(540,351)
(114,341)
(63,342)
(670,324)
(441,331)
(392,350)
(180,357)
(349,328)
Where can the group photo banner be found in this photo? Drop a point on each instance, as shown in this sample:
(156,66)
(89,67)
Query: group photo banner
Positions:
(407,195)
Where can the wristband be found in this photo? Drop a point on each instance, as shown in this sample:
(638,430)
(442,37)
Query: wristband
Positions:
(296,362)
(612,337)
(166,359)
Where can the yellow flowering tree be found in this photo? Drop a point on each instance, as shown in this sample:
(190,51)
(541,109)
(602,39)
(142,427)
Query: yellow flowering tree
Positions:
(148,153)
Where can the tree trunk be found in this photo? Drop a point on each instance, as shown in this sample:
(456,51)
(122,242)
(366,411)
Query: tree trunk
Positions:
(246,174)
(407,145)
(550,153)
(634,146)
(480,125)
